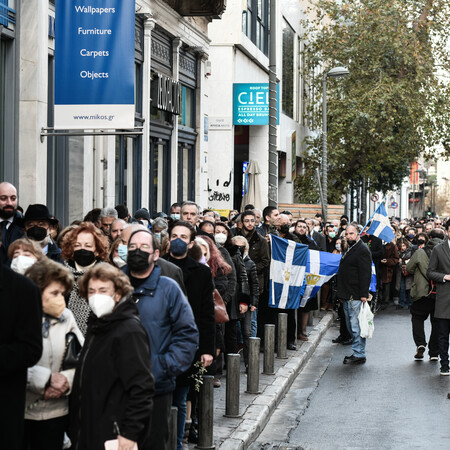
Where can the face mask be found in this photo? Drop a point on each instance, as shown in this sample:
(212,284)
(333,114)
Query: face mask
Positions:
(420,242)
(37,233)
(203,260)
(122,250)
(178,247)
(220,238)
(351,243)
(343,222)
(332,234)
(144,222)
(137,261)
(175,216)
(21,263)
(118,262)
(411,236)
(157,236)
(316,229)
(101,304)
(55,307)
(284,229)
(338,247)
(83,257)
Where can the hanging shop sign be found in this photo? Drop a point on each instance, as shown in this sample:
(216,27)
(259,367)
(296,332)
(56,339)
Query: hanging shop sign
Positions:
(251,104)
(94,64)
(169,94)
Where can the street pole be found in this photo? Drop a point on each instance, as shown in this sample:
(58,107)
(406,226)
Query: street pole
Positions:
(273,154)
(324,149)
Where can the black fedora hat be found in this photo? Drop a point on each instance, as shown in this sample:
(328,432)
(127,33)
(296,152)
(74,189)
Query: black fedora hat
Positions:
(37,212)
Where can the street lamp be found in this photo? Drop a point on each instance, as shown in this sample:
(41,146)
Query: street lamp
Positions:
(335,72)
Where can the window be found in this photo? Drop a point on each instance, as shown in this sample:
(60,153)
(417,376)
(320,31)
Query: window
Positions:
(288,70)
(2,105)
(187,116)
(255,23)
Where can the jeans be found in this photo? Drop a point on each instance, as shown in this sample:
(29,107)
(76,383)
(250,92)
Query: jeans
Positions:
(351,311)
(254,326)
(404,295)
(179,400)
(444,331)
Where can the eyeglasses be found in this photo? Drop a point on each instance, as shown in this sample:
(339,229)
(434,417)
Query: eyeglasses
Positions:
(144,247)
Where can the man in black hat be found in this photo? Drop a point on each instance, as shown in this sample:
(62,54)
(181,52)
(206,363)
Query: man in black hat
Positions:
(37,221)
(9,215)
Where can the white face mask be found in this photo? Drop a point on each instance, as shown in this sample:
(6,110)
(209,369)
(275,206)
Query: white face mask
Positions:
(21,263)
(316,229)
(338,247)
(119,262)
(101,304)
(220,238)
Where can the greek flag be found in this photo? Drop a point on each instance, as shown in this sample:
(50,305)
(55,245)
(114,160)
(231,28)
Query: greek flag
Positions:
(287,273)
(320,268)
(380,225)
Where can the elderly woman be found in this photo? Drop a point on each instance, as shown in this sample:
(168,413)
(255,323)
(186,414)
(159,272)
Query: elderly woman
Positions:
(113,386)
(23,253)
(48,384)
(82,248)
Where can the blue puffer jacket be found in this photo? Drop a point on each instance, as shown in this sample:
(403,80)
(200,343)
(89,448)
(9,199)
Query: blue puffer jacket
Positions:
(170,324)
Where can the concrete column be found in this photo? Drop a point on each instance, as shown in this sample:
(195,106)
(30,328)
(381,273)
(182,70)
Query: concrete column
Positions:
(258,151)
(149,25)
(33,80)
(176,44)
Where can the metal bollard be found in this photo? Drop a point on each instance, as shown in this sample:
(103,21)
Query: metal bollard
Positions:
(232,389)
(253,366)
(282,336)
(173,428)
(269,349)
(206,414)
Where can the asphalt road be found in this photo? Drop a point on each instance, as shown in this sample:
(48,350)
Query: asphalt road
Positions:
(391,402)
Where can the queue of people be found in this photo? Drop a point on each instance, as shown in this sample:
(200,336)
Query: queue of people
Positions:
(115,322)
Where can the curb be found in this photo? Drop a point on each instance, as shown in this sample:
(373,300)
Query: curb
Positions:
(260,410)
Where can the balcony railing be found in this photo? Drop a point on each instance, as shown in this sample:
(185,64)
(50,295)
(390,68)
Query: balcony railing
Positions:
(7,14)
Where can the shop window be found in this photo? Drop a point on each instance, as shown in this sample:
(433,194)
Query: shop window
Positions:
(288,70)
(186,172)
(187,116)
(159,175)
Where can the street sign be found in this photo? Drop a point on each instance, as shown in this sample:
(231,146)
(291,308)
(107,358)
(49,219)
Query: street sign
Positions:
(94,64)
(251,103)
(394,205)
(374,197)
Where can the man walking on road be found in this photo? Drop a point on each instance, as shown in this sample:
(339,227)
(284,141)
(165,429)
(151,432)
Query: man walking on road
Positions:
(439,272)
(353,281)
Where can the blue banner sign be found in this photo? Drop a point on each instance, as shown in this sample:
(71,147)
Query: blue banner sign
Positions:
(251,103)
(94,64)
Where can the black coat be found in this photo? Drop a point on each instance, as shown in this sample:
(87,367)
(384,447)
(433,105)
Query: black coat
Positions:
(199,286)
(320,240)
(355,272)
(303,239)
(20,348)
(14,232)
(113,382)
(242,293)
(253,282)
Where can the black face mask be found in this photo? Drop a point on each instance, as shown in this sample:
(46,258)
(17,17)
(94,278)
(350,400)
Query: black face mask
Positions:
(421,242)
(83,257)
(284,229)
(351,243)
(37,233)
(137,261)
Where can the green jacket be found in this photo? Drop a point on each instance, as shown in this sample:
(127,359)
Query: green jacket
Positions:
(418,266)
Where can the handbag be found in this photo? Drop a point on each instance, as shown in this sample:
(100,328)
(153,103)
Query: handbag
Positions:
(71,352)
(365,319)
(219,308)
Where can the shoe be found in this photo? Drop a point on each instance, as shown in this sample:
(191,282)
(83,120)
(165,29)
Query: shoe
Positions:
(347,341)
(291,346)
(419,352)
(193,434)
(338,340)
(354,360)
(302,337)
(445,371)
(434,358)
(217,383)
(347,357)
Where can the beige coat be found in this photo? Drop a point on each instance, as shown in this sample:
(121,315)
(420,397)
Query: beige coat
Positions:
(36,408)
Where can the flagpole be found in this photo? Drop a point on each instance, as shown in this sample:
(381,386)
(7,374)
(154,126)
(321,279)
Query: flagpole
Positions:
(371,217)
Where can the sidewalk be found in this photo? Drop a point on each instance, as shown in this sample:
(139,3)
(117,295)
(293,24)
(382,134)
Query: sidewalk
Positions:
(256,409)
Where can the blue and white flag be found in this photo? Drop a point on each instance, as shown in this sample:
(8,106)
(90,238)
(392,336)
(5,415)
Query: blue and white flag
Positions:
(320,268)
(381,226)
(373,280)
(287,273)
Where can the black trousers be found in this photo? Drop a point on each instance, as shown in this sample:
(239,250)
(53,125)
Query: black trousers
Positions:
(45,434)
(444,331)
(343,330)
(159,428)
(420,310)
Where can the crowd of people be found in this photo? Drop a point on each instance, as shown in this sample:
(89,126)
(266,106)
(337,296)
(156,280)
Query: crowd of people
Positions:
(109,322)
